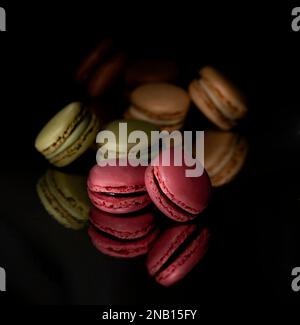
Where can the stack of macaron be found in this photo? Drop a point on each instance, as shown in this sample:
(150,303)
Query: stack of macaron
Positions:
(121,224)
(125,199)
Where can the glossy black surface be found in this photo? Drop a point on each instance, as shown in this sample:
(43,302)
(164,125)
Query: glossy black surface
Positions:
(255,219)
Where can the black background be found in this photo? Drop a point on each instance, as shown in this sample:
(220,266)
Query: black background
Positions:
(255,219)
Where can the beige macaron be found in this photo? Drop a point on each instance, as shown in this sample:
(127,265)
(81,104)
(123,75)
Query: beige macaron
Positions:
(161,104)
(217,98)
(224,155)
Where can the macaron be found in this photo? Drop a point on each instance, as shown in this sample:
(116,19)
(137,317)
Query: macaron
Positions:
(224,155)
(122,147)
(150,70)
(162,104)
(64,196)
(67,135)
(179,197)
(176,252)
(100,69)
(118,189)
(122,236)
(217,98)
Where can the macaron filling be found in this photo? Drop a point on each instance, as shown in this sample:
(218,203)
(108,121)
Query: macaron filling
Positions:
(119,202)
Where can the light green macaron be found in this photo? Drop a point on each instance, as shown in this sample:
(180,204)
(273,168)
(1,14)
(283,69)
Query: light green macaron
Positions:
(64,196)
(123,144)
(67,135)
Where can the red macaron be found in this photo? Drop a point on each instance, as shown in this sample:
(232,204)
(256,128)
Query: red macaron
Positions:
(118,189)
(127,236)
(176,252)
(179,197)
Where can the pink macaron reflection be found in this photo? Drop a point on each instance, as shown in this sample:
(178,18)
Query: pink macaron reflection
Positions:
(176,252)
(124,236)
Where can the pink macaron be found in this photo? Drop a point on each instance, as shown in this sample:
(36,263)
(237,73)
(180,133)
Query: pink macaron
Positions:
(118,189)
(122,237)
(176,252)
(179,197)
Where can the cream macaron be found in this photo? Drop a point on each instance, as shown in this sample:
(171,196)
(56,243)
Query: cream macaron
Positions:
(217,98)
(161,104)
(67,135)
(224,155)
(64,197)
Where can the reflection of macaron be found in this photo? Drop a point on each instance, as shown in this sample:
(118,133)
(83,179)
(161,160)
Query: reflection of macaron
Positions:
(217,98)
(179,197)
(162,104)
(176,252)
(126,236)
(65,198)
(67,135)
(118,189)
(224,155)
(121,148)
(149,71)
(101,67)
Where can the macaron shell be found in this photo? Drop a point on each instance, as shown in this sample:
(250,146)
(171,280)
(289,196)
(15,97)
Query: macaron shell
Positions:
(79,147)
(186,261)
(166,245)
(59,128)
(207,106)
(119,204)
(117,179)
(224,92)
(55,209)
(162,100)
(139,114)
(121,249)
(233,166)
(162,202)
(124,227)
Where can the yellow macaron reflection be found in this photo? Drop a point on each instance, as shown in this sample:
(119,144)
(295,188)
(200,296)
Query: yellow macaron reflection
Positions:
(64,196)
